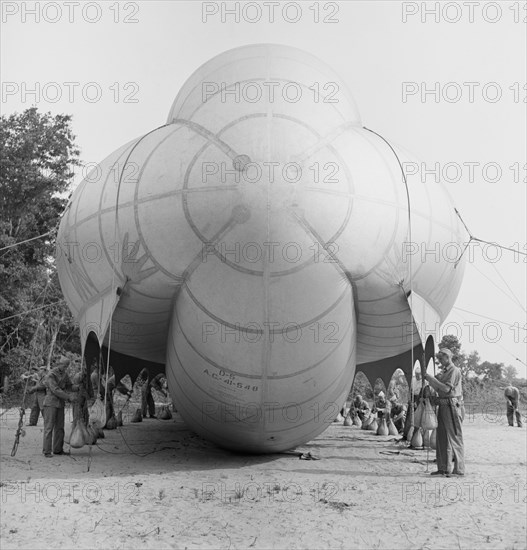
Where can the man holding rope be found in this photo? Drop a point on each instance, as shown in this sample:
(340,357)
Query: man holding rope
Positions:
(450,415)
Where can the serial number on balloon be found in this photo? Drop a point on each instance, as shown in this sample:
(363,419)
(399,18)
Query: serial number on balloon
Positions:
(229,379)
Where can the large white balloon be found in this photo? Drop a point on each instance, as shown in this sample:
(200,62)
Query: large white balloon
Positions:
(265,243)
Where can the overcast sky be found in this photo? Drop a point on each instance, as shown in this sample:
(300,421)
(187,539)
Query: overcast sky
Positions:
(125,62)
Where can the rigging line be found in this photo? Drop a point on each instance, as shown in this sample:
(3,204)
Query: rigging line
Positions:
(513,298)
(463,252)
(503,348)
(31,310)
(8,337)
(472,238)
(510,289)
(459,216)
(499,246)
(490,318)
(116,231)
(28,240)
(409,267)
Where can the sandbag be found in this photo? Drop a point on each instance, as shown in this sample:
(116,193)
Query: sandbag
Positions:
(138,416)
(426,439)
(373,426)
(111,424)
(339,418)
(392,430)
(417,439)
(383,428)
(92,432)
(348,421)
(418,414)
(428,417)
(433,439)
(79,436)
(165,413)
(367,421)
(98,412)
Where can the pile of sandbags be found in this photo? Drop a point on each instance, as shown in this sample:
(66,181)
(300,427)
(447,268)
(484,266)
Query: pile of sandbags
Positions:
(138,416)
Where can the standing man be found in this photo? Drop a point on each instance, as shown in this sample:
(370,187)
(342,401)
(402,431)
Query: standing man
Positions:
(58,384)
(450,415)
(147,401)
(39,393)
(512,394)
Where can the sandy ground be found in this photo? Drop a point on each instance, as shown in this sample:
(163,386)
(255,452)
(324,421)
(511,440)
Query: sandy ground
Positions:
(158,485)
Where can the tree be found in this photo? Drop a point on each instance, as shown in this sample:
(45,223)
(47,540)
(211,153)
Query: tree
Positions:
(491,371)
(470,365)
(510,373)
(452,343)
(37,160)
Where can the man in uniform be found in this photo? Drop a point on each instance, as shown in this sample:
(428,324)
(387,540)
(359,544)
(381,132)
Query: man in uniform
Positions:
(397,413)
(147,401)
(39,393)
(450,414)
(362,408)
(512,395)
(112,387)
(58,384)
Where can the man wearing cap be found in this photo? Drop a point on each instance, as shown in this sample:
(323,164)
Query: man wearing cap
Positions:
(58,384)
(157,383)
(397,413)
(450,414)
(38,389)
(512,395)
(112,387)
(360,406)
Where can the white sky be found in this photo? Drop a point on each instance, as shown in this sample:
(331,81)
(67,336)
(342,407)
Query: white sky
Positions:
(370,47)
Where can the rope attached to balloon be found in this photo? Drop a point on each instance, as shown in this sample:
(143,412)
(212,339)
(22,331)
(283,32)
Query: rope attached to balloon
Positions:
(407,294)
(118,290)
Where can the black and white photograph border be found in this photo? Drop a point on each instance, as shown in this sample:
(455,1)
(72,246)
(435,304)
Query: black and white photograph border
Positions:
(263,272)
